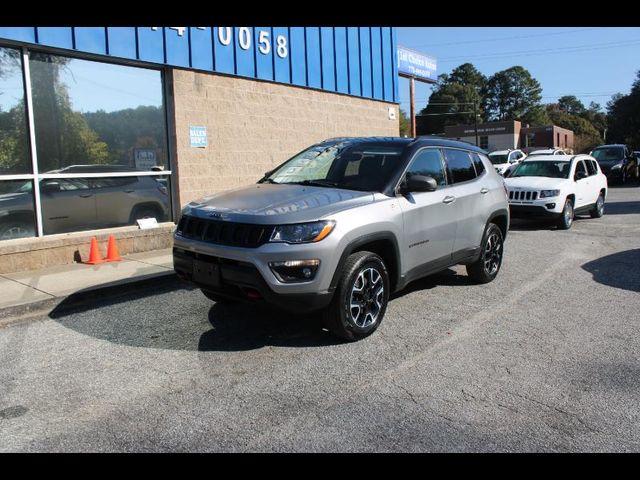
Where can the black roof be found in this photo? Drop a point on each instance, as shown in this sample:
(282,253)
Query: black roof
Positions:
(405,141)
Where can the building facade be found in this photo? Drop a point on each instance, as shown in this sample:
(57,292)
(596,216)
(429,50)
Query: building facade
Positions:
(101,126)
(512,135)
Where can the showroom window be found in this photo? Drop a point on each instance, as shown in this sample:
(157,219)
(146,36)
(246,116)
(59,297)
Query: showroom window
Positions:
(90,136)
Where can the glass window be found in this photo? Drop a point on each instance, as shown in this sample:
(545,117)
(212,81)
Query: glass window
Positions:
(477,162)
(591,167)
(17,211)
(97,114)
(15,157)
(460,165)
(542,168)
(74,204)
(580,168)
(428,163)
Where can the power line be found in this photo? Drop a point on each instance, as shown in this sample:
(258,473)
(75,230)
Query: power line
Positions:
(504,38)
(548,51)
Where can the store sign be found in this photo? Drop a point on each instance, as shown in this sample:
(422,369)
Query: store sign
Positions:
(145,159)
(198,136)
(417,65)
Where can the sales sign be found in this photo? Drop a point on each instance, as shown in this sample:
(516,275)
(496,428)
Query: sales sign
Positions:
(417,65)
(198,136)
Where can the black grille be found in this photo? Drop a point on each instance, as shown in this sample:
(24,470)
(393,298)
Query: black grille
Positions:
(224,233)
(523,195)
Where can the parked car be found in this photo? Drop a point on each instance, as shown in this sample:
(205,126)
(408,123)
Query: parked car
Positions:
(341,226)
(503,159)
(557,188)
(83,203)
(548,151)
(617,162)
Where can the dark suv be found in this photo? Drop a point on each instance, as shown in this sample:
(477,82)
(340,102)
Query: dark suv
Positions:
(617,161)
(344,224)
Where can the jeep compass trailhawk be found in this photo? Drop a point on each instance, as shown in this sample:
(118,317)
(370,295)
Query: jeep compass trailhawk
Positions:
(344,224)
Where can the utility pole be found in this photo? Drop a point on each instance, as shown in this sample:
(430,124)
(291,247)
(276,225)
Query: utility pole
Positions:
(475,119)
(412,93)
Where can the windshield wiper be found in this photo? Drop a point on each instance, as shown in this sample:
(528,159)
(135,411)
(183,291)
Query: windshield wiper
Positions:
(267,180)
(317,183)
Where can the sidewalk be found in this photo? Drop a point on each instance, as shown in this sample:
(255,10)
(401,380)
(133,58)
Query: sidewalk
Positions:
(39,289)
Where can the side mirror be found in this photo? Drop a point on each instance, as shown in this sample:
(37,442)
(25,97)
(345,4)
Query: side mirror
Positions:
(580,175)
(50,187)
(420,183)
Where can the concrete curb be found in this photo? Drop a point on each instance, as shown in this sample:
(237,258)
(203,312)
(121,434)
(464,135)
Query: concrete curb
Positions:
(17,314)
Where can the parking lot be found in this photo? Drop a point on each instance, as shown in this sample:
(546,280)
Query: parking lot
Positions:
(545,358)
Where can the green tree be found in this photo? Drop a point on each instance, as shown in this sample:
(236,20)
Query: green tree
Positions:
(405,124)
(586,136)
(571,104)
(624,117)
(510,94)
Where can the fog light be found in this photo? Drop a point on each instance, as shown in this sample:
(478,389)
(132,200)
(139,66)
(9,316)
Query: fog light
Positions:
(295,270)
(550,206)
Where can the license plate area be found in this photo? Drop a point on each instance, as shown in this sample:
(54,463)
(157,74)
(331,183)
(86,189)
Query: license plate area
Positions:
(206,272)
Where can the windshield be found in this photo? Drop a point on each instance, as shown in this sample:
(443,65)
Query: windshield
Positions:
(550,169)
(608,154)
(497,159)
(354,167)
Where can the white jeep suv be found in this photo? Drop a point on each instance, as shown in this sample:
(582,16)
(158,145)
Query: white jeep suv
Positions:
(557,187)
(503,159)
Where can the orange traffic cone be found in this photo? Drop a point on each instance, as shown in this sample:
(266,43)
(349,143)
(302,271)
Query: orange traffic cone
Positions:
(112,251)
(94,253)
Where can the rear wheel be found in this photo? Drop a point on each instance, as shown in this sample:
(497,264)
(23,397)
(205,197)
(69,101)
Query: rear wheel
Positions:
(361,298)
(566,218)
(488,265)
(598,209)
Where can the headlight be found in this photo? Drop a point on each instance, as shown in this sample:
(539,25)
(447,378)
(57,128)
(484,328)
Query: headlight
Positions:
(302,232)
(549,193)
(617,166)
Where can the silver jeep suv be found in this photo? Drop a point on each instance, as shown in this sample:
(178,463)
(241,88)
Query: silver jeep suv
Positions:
(344,224)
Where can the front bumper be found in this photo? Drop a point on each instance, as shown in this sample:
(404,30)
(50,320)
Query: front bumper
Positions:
(241,281)
(533,211)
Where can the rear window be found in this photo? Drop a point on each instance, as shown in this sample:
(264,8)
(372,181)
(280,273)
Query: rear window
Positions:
(460,165)
(477,162)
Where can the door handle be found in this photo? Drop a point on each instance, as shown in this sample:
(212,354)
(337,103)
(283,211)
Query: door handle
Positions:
(484,190)
(448,199)
(85,195)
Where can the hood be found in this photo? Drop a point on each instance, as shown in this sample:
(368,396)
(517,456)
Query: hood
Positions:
(277,204)
(535,183)
(610,163)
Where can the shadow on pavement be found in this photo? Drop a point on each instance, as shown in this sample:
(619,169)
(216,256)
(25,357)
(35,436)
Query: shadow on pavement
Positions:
(446,277)
(241,326)
(621,208)
(619,270)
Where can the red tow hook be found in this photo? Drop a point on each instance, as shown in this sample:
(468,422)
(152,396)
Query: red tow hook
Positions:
(253,294)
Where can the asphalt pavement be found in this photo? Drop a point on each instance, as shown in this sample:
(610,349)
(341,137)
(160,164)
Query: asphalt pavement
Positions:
(545,358)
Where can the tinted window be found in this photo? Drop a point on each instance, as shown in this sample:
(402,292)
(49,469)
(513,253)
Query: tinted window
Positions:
(591,167)
(428,163)
(460,165)
(542,168)
(478,163)
(580,168)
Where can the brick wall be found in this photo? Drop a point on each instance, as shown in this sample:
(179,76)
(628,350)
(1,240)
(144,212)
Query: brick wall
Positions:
(253,126)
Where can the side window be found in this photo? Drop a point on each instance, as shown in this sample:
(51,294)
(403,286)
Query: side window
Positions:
(580,168)
(591,167)
(459,165)
(429,163)
(594,164)
(477,162)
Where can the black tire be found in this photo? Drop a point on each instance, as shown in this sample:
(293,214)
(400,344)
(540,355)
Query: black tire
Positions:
(145,212)
(16,229)
(367,270)
(566,217)
(486,268)
(215,297)
(598,208)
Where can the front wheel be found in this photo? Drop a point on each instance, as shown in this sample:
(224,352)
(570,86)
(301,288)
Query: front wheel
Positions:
(486,268)
(566,218)
(360,300)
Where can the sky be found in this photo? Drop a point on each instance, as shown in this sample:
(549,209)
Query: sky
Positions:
(591,63)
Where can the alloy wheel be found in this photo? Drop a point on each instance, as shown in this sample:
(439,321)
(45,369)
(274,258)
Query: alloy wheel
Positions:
(493,254)
(367,298)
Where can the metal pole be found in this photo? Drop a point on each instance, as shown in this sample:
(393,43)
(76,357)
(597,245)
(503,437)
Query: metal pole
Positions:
(412,94)
(475,119)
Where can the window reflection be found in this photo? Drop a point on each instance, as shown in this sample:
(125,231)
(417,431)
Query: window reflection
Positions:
(16,209)
(75,204)
(93,113)
(14,146)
